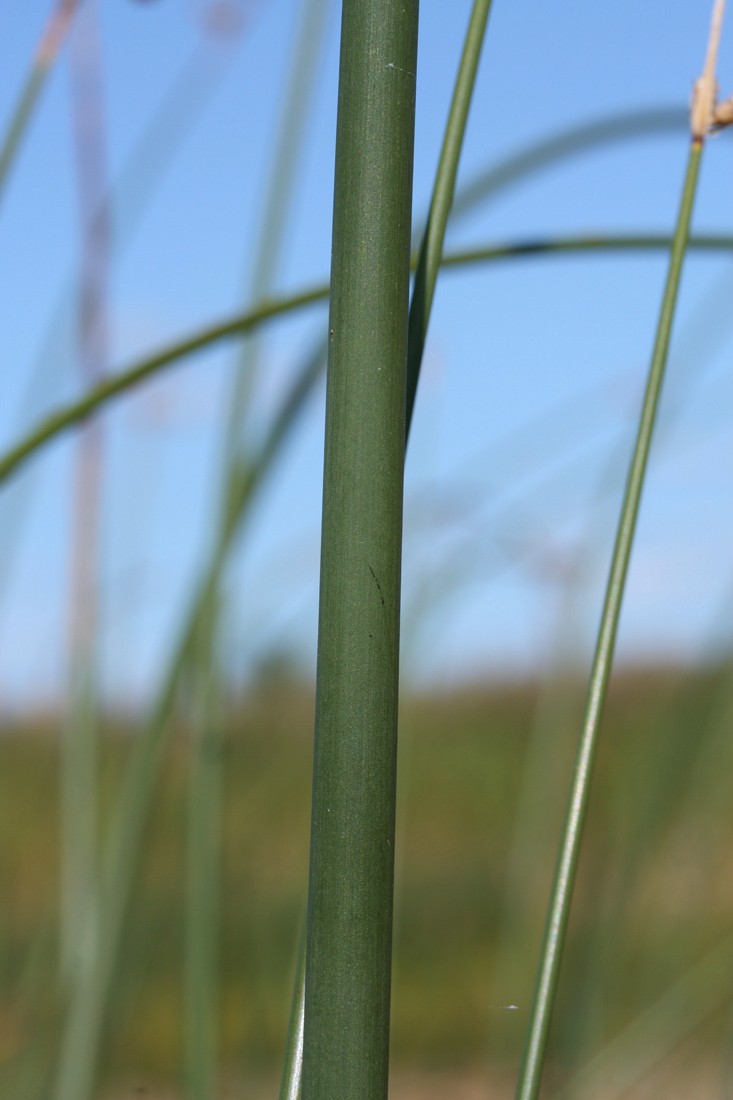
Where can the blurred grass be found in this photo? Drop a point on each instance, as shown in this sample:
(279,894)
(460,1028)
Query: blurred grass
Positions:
(466,755)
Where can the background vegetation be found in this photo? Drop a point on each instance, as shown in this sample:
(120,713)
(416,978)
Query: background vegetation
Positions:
(652,907)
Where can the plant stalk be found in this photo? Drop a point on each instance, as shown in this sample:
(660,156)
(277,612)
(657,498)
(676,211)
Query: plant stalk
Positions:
(51,42)
(431,247)
(349,937)
(427,267)
(559,909)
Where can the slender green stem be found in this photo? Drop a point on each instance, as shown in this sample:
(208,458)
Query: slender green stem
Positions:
(348,959)
(78,827)
(125,380)
(151,156)
(561,896)
(129,377)
(79,748)
(571,245)
(431,248)
(50,44)
(124,207)
(279,187)
(84,1019)
(540,155)
(202,902)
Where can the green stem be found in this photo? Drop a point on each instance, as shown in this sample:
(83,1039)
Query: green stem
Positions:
(431,248)
(279,188)
(559,909)
(540,155)
(203,872)
(586,243)
(428,264)
(349,938)
(51,41)
(127,379)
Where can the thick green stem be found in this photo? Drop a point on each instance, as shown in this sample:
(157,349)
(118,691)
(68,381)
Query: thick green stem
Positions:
(428,265)
(348,966)
(557,919)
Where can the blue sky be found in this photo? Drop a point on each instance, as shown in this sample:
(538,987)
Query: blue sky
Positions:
(533,368)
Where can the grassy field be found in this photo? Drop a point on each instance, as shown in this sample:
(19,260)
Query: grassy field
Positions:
(473,870)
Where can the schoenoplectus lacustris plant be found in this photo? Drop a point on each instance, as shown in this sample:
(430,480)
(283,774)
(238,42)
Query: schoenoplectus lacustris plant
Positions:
(349,937)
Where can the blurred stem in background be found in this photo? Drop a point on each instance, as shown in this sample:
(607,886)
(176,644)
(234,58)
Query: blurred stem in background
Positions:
(203,874)
(51,42)
(103,213)
(122,209)
(79,748)
(349,938)
(203,837)
(566,144)
(87,1012)
(279,189)
(681,1009)
(677,780)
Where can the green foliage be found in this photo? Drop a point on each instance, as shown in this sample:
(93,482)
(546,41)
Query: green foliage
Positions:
(461,766)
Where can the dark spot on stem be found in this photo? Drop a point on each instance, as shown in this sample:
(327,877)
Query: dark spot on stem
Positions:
(379,587)
(528,248)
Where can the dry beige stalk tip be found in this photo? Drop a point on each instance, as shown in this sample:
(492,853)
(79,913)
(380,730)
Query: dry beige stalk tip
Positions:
(55,32)
(705,112)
